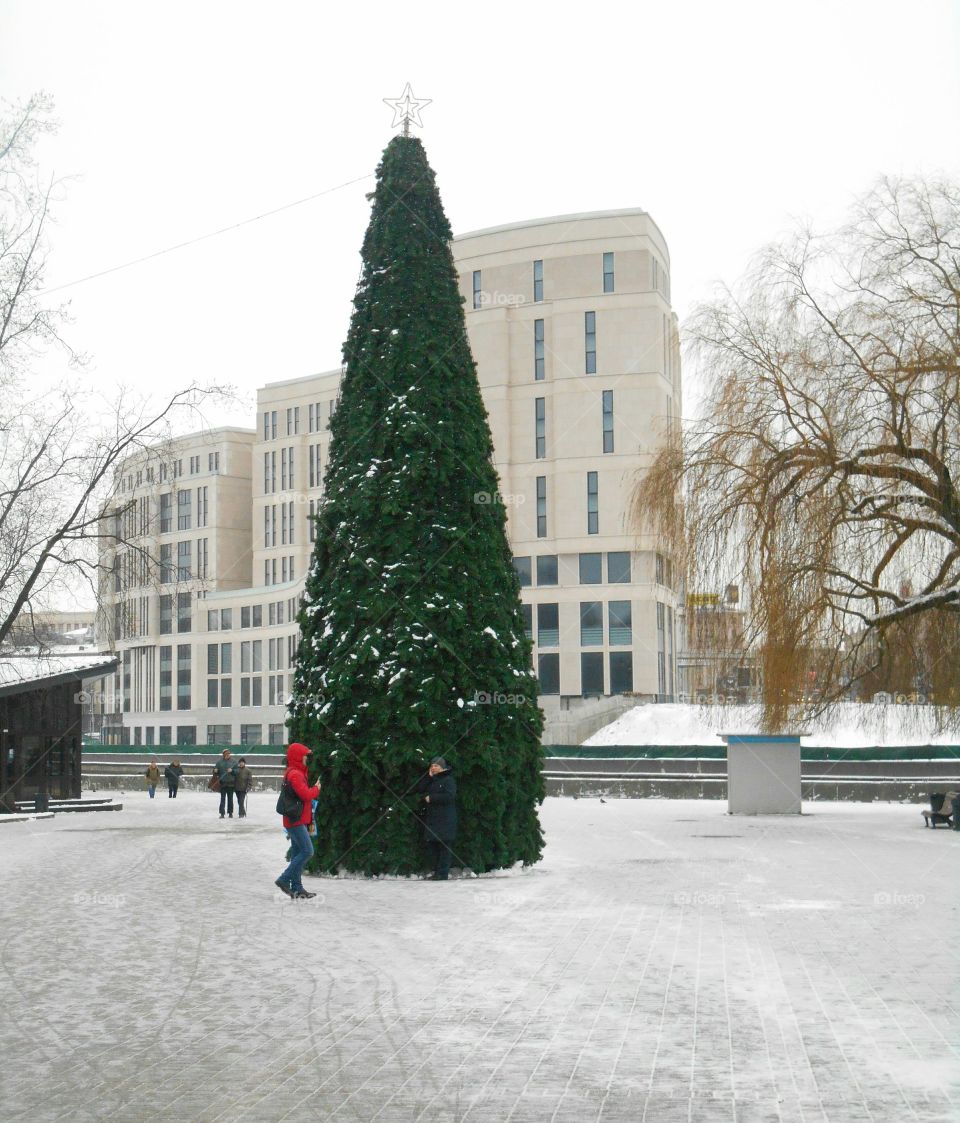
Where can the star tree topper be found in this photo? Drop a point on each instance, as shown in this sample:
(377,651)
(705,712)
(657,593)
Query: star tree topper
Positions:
(406,108)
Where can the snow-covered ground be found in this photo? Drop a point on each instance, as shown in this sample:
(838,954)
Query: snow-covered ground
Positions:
(664,962)
(847,725)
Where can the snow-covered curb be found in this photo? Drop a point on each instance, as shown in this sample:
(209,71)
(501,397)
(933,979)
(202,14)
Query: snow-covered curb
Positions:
(25,818)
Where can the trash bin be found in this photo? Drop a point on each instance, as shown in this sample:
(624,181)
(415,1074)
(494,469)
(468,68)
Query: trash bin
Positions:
(763,774)
(41,803)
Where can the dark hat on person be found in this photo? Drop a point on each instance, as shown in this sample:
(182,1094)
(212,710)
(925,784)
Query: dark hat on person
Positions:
(439,760)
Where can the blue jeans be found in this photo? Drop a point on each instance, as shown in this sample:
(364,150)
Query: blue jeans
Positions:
(151,789)
(302,846)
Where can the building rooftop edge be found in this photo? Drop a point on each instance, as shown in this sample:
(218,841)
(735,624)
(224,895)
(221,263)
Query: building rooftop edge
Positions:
(548,219)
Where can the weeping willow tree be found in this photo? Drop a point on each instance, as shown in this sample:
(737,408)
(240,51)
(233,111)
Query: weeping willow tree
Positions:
(822,472)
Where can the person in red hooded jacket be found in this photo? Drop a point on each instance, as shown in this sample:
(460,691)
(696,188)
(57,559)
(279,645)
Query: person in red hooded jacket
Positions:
(290,881)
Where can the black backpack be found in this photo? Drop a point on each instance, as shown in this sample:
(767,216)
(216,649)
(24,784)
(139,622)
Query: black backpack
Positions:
(289,804)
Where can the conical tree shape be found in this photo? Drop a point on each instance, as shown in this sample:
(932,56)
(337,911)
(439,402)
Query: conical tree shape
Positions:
(413,639)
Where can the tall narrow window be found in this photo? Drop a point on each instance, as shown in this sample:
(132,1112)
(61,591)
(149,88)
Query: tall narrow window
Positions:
(184,506)
(541,506)
(608,272)
(537,281)
(608,421)
(620,623)
(477,289)
(266,425)
(283,469)
(591,624)
(184,560)
(183,676)
(548,625)
(538,351)
(541,427)
(166,513)
(590,341)
(593,506)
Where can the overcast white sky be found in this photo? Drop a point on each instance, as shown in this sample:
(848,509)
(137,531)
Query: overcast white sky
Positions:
(726,121)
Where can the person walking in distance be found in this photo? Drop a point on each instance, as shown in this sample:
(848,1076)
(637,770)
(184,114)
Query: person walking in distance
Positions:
(226,770)
(301,844)
(243,781)
(153,776)
(173,772)
(440,821)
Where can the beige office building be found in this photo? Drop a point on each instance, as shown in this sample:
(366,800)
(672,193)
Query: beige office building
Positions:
(576,346)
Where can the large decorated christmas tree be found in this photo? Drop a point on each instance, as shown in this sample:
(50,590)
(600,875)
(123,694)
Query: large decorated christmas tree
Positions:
(413,639)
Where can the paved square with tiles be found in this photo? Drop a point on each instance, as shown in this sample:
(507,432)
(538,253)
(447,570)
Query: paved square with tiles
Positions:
(664,962)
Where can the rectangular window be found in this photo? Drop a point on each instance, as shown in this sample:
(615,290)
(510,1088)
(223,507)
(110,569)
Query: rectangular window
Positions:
(273,425)
(213,658)
(540,422)
(290,421)
(527,612)
(266,425)
(548,672)
(245,617)
(213,461)
(591,624)
(186,734)
(184,560)
(590,569)
(608,421)
(290,521)
(296,420)
(166,680)
(183,510)
(591,673)
(283,524)
(194,465)
(226,692)
(277,734)
(166,563)
(477,289)
(183,676)
(164,734)
(621,672)
(166,513)
(283,469)
(311,417)
(256,690)
(522,566)
(166,615)
(539,351)
(608,272)
(257,615)
(203,509)
(213,693)
(226,658)
(620,621)
(541,506)
(218,734)
(548,625)
(537,281)
(291,479)
(183,612)
(251,734)
(593,508)
(311,521)
(618,567)
(590,341)
(547,569)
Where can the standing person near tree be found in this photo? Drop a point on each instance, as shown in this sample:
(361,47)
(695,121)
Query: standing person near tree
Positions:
(153,776)
(173,772)
(243,783)
(226,770)
(301,844)
(440,796)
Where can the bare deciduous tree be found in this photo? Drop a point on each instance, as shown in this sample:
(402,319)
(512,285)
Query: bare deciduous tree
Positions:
(60,448)
(823,472)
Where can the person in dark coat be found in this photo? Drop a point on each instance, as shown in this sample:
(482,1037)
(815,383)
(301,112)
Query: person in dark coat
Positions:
(226,770)
(173,772)
(243,782)
(439,790)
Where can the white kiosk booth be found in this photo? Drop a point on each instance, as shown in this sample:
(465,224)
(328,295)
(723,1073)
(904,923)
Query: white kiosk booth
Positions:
(763,773)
